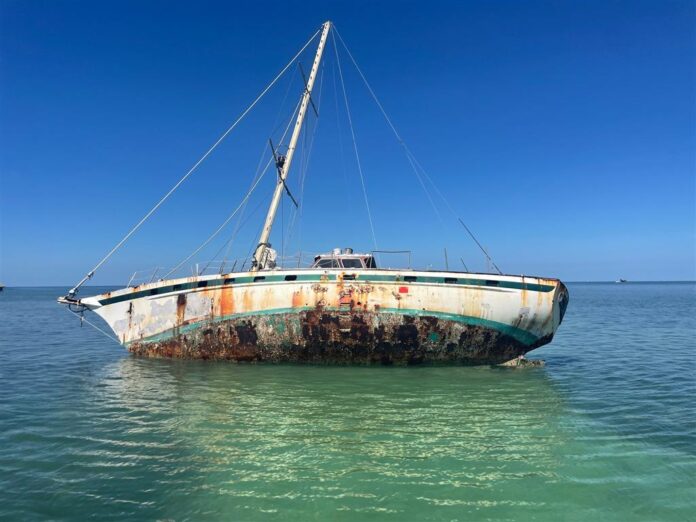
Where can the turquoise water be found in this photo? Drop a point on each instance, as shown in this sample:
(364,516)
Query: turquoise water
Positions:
(604,432)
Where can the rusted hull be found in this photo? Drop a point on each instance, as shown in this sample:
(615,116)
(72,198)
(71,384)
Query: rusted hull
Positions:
(328,337)
(335,317)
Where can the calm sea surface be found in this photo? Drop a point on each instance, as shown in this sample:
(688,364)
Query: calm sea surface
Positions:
(606,431)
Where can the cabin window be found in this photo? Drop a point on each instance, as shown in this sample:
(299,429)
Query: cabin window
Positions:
(327,263)
(349,277)
(290,277)
(451,280)
(352,263)
(490,282)
(202,284)
(176,287)
(371,262)
(228,280)
(410,279)
(259,278)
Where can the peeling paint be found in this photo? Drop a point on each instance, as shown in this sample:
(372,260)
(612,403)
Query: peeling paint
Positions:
(329,318)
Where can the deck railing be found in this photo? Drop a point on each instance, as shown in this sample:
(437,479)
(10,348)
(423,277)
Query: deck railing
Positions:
(300,260)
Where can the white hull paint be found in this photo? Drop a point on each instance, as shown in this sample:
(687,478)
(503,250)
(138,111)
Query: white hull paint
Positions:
(275,315)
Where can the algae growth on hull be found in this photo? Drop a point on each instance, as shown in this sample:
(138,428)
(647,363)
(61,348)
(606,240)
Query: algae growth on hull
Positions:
(330,337)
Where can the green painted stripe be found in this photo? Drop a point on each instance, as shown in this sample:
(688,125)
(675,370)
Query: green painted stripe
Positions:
(363,278)
(194,326)
(520,335)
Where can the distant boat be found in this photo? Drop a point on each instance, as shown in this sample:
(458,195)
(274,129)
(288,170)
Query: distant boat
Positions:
(621,281)
(341,309)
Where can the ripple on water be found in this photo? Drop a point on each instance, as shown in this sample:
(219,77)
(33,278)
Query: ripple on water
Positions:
(604,431)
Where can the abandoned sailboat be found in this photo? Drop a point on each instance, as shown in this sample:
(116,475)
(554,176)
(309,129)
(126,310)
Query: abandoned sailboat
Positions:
(341,309)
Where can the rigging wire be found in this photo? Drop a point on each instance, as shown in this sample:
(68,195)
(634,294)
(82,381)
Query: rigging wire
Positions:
(235,230)
(480,246)
(224,223)
(89,275)
(276,125)
(254,242)
(340,138)
(238,225)
(459,219)
(82,318)
(282,227)
(355,145)
(243,222)
(409,155)
(305,157)
(303,172)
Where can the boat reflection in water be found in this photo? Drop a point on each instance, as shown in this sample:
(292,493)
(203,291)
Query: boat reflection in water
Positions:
(259,438)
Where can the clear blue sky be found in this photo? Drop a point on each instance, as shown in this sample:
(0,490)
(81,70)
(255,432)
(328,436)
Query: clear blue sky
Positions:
(562,132)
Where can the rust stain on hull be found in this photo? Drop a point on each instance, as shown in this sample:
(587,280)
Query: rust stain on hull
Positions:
(226,302)
(340,337)
(370,317)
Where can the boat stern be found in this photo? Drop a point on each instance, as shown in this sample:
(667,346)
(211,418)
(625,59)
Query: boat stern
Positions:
(560,304)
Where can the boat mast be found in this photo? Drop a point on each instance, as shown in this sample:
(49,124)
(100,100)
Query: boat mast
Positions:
(260,252)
